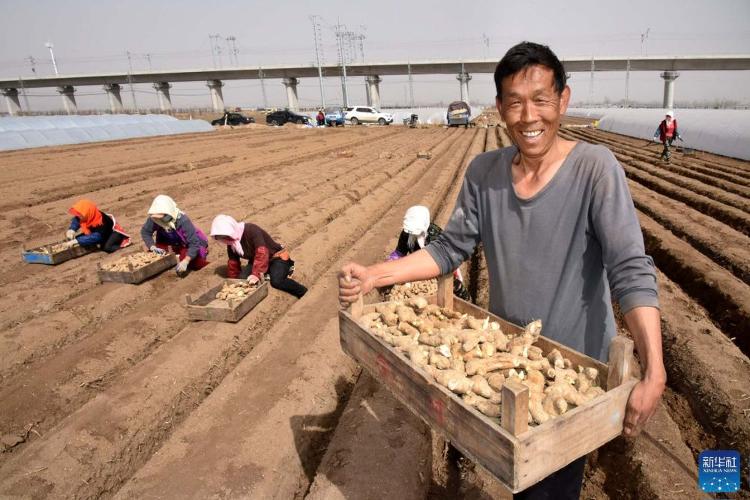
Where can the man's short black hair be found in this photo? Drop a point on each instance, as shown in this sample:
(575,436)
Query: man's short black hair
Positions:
(526,54)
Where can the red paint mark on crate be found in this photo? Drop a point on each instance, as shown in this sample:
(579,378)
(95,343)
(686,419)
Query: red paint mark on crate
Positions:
(437,408)
(384,367)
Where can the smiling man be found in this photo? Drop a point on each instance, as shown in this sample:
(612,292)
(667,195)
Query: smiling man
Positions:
(560,235)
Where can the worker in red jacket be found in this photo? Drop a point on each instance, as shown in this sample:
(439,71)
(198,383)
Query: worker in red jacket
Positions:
(666,132)
(248,241)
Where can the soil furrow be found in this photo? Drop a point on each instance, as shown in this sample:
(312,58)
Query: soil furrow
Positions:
(293,232)
(712,162)
(135,445)
(725,297)
(736,184)
(724,245)
(281,472)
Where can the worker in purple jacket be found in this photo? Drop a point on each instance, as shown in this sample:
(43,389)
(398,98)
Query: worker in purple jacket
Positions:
(174,230)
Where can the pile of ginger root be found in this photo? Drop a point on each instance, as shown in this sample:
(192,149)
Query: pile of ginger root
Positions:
(235,291)
(132,262)
(406,291)
(473,358)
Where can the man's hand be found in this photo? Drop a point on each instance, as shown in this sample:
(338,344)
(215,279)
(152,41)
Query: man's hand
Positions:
(182,265)
(157,250)
(353,280)
(70,234)
(253,279)
(642,404)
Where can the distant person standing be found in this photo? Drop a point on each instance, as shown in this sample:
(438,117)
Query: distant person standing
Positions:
(666,132)
(321,118)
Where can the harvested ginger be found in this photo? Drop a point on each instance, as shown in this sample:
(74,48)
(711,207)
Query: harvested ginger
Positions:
(474,357)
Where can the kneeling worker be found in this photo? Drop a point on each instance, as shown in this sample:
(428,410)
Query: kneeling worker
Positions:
(417,233)
(97,228)
(174,229)
(248,241)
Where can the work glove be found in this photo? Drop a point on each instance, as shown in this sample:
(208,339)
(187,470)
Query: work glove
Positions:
(70,234)
(182,266)
(71,243)
(253,279)
(157,250)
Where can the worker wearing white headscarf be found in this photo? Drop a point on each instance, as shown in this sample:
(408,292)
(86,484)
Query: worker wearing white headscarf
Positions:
(416,225)
(174,230)
(417,233)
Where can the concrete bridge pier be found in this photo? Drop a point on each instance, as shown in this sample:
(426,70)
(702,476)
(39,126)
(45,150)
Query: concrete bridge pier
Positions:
(115,99)
(291,92)
(162,93)
(69,99)
(217,98)
(11,100)
(669,78)
(464,78)
(373,84)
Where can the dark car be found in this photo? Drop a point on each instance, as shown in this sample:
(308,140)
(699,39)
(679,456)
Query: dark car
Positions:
(233,119)
(284,116)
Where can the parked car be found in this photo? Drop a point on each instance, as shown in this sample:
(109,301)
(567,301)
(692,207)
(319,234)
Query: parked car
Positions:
(233,119)
(368,114)
(334,116)
(283,116)
(459,113)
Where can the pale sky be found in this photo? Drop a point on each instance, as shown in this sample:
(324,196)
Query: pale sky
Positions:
(93,36)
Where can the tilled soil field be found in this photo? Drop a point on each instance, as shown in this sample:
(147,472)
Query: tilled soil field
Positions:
(107,390)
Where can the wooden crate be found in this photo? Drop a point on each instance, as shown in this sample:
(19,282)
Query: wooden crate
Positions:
(137,275)
(43,254)
(516,454)
(208,308)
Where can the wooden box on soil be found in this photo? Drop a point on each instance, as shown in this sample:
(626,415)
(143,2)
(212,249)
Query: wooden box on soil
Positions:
(51,254)
(136,275)
(208,308)
(517,454)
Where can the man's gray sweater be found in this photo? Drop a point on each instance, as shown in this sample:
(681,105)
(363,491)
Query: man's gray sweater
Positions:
(554,256)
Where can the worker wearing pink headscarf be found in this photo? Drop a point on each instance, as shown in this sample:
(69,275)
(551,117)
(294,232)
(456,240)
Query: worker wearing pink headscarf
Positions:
(246,240)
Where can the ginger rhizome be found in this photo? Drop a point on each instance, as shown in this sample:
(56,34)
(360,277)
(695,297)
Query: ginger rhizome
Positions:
(474,357)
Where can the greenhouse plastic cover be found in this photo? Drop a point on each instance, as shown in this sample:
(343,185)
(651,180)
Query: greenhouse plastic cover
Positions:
(721,131)
(20,132)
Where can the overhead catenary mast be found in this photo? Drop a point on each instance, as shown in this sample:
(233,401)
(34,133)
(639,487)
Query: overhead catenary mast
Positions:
(341,45)
(130,79)
(315,20)
(52,55)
